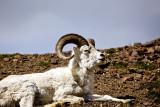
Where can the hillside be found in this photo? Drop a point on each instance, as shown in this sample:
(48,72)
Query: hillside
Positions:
(130,71)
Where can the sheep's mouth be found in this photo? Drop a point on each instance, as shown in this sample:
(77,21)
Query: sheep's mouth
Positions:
(102,59)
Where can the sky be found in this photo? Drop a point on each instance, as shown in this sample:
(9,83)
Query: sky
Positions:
(34,26)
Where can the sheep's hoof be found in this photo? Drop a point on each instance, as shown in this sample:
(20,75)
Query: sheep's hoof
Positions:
(61,104)
(127,103)
(58,104)
(66,104)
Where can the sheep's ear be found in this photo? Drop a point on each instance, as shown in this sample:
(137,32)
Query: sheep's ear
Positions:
(76,53)
(91,42)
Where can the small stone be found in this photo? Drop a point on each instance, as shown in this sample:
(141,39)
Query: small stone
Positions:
(54,61)
(138,76)
(15,60)
(6,59)
(157,48)
(158,61)
(137,44)
(150,50)
(132,59)
(127,78)
(140,71)
(147,103)
(134,53)
(145,60)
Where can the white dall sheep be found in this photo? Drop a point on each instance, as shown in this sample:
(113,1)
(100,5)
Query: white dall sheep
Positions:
(73,83)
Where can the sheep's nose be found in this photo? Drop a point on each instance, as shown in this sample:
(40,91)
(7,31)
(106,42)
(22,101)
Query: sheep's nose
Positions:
(102,55)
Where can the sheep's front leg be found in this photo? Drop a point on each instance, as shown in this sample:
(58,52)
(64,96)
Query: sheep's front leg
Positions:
(69,98)
(27,94)
(96,97)
(27,101)
(65,100)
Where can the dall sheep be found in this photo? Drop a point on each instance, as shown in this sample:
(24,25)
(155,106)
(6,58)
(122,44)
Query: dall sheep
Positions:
(73,83)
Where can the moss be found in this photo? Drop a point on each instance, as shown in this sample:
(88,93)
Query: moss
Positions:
(10,55)
(146,66)
(6,56)
(120,65)
(155,84)
(110,51)
(154,90)
(154,95)
(44,64)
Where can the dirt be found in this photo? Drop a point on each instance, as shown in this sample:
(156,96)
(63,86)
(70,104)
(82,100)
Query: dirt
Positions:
(128,72)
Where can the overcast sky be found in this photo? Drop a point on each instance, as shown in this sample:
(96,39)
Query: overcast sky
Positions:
(34,26)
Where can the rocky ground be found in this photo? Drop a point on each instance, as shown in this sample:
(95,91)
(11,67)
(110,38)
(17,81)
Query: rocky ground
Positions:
(129,72)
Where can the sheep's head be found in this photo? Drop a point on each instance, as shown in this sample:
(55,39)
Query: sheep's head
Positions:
(85,53)
(88,56)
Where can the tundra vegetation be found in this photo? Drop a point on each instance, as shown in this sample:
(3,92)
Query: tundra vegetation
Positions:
(130,70)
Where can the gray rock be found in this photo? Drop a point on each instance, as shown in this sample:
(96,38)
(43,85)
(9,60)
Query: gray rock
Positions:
(134,53)
(15,60)
(54,61)
(6,59)
(157,48)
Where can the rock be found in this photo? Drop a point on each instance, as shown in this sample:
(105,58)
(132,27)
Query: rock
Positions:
(158,61)
(147,75)
(127,78)
(145,59)
(157,48)
(137,44)
(150,50)
(147,103)
(6,59)
(132,59)
(132,77)
(138,76)
(15,60)
(134,53)
(140,71)
(54,61)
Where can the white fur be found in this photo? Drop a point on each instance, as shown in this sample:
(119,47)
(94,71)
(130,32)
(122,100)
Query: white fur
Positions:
(73,83)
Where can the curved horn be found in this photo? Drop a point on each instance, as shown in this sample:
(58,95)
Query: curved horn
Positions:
(66,39)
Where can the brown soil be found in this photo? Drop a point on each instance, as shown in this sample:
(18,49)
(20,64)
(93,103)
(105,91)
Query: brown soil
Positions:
(129,72)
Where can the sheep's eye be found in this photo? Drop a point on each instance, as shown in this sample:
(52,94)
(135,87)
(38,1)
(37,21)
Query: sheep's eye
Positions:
(86,51)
